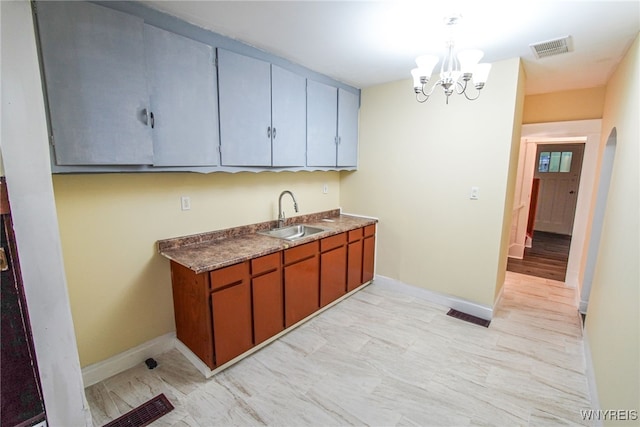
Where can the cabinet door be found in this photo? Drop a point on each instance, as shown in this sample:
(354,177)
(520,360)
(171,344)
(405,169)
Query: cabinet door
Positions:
(368,258)
(333,275)
(244,86)
(231,311)
(301,289)
(322,116)
(348,105)
(354,265)
(183,99)
(94,69)
(289,117)
(232,333)
(268,305)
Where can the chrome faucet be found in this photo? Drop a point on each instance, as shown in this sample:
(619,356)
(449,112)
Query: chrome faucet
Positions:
(280,211)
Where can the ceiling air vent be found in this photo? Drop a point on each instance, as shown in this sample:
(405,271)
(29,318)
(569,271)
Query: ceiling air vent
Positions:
(552,47)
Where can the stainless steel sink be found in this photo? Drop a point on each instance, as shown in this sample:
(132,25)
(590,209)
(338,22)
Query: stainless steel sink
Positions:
(293,232)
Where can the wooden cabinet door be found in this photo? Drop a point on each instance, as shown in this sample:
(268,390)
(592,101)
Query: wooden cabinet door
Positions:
(354,265)
(333,275)
(348,106)
(244,91)
(231,312)
(94,69)
(183,95)
(301,288)
(289,117)
(268,305)
(368,258)
(322,116)
(268,297)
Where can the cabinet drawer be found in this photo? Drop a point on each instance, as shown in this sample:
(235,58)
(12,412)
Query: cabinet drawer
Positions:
(333,242)
(300,252)
(355,234)
(265,263)
(229,275)
(370,230)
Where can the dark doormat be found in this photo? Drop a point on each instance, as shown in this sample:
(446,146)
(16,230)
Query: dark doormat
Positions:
(144,414)
(469,318)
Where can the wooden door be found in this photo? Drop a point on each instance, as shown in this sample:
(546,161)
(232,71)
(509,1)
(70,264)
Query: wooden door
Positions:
(354,259)
(267,297)
(368,253)
(333,268)
(231,310)
(183,95)
(301,282)
(558,167)
(94,68)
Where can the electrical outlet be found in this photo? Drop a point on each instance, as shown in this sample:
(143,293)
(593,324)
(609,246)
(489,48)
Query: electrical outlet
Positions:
(185,203)
(475,193)
(325,188)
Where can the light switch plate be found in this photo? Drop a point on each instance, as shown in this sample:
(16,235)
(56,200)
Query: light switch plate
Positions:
(475,193)
(185,203)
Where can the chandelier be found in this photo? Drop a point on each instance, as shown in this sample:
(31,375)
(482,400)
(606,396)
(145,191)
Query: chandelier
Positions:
(456,71)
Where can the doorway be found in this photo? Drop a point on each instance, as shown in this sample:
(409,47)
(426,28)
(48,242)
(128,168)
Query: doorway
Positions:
(585,132)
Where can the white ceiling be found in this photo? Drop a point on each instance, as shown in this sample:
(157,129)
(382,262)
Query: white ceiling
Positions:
(365,43)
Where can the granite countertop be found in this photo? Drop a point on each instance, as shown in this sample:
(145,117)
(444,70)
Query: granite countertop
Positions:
(209,251)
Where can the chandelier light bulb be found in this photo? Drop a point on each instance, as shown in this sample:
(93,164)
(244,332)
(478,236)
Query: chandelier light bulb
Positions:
(469,58)
(426,64)
(480,74)
(456,70)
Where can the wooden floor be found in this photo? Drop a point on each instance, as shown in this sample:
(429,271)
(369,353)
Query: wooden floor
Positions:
(547,258)
(385,356)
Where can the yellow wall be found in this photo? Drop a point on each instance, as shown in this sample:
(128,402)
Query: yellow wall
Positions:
(511,183)
(119,287)
(418,163)
(613,323)
(581,104)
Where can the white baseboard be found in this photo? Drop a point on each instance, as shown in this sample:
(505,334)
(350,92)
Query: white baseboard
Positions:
(100,371)
(465,306)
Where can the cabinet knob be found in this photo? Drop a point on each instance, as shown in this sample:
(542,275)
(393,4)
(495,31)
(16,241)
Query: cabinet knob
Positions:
(273,133)
(269,132)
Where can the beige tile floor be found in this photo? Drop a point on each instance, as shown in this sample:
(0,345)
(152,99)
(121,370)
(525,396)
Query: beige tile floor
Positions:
(385,357)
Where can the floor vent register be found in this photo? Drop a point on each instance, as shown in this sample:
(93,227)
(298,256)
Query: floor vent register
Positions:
(144,414)
(469,318)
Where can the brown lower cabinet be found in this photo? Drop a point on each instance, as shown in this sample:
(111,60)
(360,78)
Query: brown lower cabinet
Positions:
(333,268)
(225,312)
(268,297)
(231,310)
(368,253)
(301,282)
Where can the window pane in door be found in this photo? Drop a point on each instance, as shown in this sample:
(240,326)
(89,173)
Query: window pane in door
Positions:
(543,165)
(554,163)
(565,161)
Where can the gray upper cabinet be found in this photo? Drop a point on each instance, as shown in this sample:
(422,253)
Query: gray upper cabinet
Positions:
(322,117)
(181,78)
(94,68)
(262,113)
(245,110)
(289,117)
(332,126)
(348,106)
